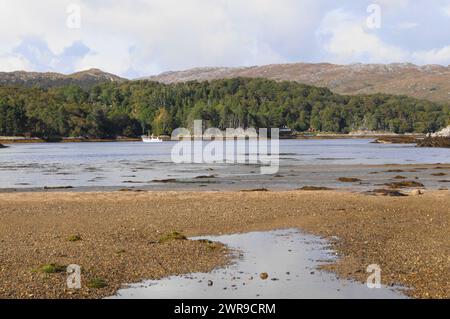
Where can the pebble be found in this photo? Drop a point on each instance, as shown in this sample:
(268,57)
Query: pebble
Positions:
(264,276)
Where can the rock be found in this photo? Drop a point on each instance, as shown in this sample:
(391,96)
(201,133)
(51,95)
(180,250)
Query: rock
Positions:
(255,190)
(264,276)
(440,141)
(205,177)
(165,181)
(401,139)
(387,192)
(348,180)
(210,283)
(405,184)
(443,133)
(314,188)
(416,192)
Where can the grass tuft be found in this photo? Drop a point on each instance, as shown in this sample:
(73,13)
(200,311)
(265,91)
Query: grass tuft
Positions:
(52,269)
(171,237)
(210,245)
(97,283)
(74,238)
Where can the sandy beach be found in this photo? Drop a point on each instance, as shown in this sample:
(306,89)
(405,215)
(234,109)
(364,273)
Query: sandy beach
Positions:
(117,237)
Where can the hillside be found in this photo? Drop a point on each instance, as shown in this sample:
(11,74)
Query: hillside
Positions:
(133,107)
(84,79)
(431,82)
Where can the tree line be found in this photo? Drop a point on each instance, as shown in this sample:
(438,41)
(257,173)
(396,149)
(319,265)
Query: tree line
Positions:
(132,108)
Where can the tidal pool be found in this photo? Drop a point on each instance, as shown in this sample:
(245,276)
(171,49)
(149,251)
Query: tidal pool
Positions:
(290,258)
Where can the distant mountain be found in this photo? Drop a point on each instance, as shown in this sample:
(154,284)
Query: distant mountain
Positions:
(430,82)
(84,79)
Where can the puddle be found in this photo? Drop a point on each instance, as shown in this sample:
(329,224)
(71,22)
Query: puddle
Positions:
(290,258)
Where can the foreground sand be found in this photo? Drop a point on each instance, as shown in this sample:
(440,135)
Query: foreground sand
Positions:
(407,236)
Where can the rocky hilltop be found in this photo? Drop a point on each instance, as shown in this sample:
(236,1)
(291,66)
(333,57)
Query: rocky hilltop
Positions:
(430,82)
(84,79)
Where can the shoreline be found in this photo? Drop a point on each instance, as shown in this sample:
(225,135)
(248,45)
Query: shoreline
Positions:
(21,140)
(118,235)
(65,140)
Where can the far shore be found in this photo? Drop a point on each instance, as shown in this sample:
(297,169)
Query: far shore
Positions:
(127,237)
(19,140)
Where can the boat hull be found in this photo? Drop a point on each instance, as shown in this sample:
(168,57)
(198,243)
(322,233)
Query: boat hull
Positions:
(151,140)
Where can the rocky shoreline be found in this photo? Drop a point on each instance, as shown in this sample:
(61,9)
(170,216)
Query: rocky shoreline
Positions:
(435,142)
(402,139)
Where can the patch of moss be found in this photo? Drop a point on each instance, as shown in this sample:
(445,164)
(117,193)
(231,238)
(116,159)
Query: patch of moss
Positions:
(171,237)
(97,283)
(52,269)
(74,238)
(210,244)
(120,251)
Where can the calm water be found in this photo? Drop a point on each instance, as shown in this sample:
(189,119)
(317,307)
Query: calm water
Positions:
(296,277)
(138,165)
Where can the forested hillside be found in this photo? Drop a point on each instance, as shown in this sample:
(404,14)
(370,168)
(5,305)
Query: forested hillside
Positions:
(131,108)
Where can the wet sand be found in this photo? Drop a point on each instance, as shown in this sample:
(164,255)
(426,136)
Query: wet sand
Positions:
(118,233)
(290,177)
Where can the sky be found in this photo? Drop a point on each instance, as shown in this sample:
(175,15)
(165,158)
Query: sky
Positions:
(137,38)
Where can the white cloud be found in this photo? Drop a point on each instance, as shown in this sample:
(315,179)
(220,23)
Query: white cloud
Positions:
(446,10)
(392,4)
(407,25)
(433,56)
(142,37)
(13,63)
(149,36)
(346,37)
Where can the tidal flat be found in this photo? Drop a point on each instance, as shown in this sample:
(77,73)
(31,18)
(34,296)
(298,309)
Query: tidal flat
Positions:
(130,237)
(135,166)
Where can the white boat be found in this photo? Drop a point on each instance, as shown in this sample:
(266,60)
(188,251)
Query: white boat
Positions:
(151,139)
